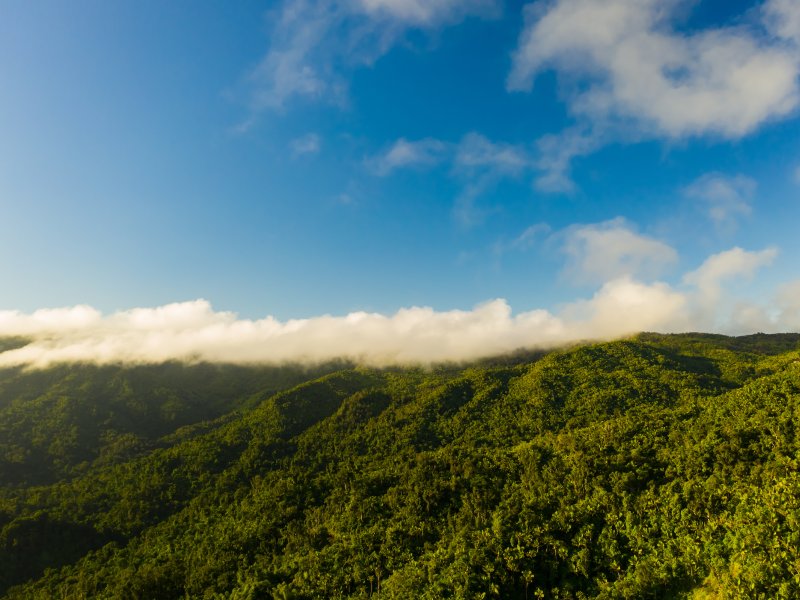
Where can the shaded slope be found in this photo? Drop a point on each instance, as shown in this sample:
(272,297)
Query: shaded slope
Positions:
(60,422)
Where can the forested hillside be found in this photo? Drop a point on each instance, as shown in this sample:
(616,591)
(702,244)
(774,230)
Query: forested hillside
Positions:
(656,467)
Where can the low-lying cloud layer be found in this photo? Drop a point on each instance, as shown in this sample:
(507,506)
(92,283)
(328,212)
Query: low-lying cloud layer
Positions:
(193,331)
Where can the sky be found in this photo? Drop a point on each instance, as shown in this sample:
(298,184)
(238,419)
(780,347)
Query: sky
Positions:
(393,180)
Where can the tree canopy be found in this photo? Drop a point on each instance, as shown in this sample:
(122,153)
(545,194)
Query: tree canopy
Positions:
(659,466)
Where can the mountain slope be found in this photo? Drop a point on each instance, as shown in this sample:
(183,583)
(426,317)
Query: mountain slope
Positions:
(664,466)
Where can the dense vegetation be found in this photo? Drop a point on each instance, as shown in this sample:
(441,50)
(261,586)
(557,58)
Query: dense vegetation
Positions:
(662,466)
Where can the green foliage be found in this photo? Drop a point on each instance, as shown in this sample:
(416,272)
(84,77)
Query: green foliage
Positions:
(662,466)
(61,422)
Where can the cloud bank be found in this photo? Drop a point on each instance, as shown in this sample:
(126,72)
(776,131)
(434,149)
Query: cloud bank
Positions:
(194,331)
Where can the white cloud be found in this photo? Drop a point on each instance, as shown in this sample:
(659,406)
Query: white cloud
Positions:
(752,318)
(626,73)
(404,153)
(315,44)
(610,250)
(287,70)
(788,302)
(310,143)
(481,163)
(783,19)
(345,199)
(478,162)
(476,152)
(733,263)
(523,241)
(410,335)
(193,331)
(633,66)
(555,154)
(14,323)
(467,211)
(428,12)
(710,298)
(726,198)
(624,306)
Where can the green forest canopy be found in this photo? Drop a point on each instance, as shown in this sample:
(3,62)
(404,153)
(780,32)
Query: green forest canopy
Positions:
(660,466)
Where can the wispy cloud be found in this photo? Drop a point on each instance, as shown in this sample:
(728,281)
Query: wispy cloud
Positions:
(427,13)
(477,153)
(298,30)
(725,198)
(193,331)
(473,154)
(310,143)
(556,153)
(404,154)
(480,164)
(315,44)
(524,241)
(476,161)
(345,199)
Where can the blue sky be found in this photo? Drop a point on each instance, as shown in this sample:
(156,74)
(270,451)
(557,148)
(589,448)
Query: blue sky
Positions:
(310,157)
